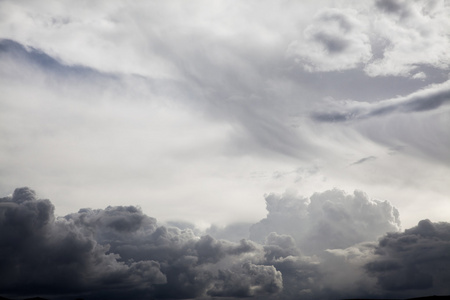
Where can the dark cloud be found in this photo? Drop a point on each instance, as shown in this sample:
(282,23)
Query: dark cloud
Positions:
(248,280)
(193,266)
(39,254)
(119,252)
(416,259)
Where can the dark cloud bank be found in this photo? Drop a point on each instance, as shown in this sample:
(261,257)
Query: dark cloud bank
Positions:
(310,248)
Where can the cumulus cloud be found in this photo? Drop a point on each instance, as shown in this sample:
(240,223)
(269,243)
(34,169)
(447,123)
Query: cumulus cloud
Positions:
(44,255)
(404,264)
(119,252)
(413,260)
(385,38)
(327,220)
(410,34)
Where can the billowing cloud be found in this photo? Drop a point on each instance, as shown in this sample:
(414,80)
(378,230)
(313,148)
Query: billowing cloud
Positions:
(385,38)
(410,34)
(119,252)
(327,220)
(404,264)
(416,259)
(42,255)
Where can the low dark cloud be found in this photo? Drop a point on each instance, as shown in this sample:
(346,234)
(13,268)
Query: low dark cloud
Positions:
(119,252)
(42,255)
(416,259)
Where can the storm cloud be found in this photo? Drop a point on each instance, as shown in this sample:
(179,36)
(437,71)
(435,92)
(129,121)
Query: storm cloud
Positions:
(120,252)
(416,259)
(41,255)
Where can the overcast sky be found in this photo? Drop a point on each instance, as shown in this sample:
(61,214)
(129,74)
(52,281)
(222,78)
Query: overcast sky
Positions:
(213,113)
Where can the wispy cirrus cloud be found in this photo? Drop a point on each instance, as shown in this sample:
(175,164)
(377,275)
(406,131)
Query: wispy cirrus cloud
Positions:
(427,99)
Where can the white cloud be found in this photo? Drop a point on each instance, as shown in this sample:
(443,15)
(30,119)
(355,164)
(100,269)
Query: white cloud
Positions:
(385,38)
(336,40)
(326,220)
(419,75)
(414,34)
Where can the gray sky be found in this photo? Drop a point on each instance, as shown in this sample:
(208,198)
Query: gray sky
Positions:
(195,110)
(234,113)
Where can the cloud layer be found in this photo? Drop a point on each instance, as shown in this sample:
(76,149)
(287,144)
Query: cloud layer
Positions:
(120,252)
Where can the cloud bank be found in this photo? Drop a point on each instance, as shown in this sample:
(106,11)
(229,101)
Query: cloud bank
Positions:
(297,251)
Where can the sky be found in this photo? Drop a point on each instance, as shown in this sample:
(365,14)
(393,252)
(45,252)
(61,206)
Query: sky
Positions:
(198,149)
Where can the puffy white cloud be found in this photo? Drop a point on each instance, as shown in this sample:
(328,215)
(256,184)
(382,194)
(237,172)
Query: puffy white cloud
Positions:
(412,33)
(336,40)
(327,220)
(385,38)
